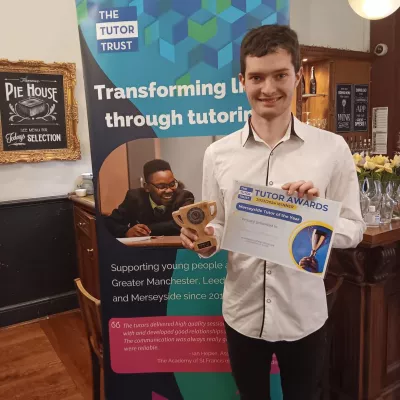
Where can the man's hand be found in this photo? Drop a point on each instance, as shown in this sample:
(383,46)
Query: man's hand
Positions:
(138,230)
(189,236)
(302,188)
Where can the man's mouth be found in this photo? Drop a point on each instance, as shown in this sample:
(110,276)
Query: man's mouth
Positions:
(167,196)
(270,101)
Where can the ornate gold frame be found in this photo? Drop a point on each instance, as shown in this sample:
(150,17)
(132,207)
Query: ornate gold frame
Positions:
(72,152)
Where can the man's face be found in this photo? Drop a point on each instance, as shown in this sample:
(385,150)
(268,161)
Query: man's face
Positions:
(270,82)
(162,186)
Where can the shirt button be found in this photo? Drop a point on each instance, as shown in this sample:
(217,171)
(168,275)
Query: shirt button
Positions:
(271,183)
(268,300)
(269,272)
(272,153)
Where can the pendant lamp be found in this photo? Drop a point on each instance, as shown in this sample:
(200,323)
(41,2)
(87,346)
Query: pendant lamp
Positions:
(374,9)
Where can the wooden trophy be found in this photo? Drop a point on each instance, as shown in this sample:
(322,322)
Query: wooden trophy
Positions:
(196,216)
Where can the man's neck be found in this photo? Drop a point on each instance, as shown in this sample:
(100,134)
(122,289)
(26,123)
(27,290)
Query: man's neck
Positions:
(271,131)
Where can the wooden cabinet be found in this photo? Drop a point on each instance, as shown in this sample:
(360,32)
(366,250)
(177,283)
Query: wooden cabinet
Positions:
(86,244)
(365,362)
(332,67)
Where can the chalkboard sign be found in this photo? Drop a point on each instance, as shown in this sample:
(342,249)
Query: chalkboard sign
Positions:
(38,113)
(361,105)
(344,107)
(32,111)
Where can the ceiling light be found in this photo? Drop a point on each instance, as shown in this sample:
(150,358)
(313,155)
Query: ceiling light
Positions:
(374,9)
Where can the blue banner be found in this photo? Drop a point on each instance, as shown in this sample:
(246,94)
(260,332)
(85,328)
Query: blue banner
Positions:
(161,81)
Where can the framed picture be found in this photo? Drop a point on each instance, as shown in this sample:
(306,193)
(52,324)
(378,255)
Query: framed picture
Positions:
(38,112)
(361,107)
(344,108)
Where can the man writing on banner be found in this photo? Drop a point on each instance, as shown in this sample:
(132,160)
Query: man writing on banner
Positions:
(270,309)
(148,211)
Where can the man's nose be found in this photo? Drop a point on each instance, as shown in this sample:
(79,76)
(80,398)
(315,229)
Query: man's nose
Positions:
(169,190)
(268,87)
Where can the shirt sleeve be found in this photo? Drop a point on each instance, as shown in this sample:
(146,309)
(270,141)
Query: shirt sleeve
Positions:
(212,192)
(344,187)
(166,228)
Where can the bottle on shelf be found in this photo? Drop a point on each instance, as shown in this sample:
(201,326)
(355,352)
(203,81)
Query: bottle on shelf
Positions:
(303,85)
(356,145)
(351,145)
(313,82)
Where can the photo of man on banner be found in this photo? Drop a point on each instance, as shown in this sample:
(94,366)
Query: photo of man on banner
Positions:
(147,211)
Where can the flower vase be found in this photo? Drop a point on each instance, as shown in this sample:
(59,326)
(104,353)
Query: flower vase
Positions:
(376,199)
(364,199)
(396,198)
(387,204)
(369,187)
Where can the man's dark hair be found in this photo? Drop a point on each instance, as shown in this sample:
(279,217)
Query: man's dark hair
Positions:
(268,39)
(154,166)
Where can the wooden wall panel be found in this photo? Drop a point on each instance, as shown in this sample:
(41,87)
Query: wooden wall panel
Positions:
(139,152)
(332,66)
(392,360)
(37,259)
(385,90)
(352,72)
(113,180)
(347,343)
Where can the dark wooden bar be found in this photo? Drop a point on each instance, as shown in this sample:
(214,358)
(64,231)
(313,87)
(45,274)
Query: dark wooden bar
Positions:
(365,356)
(86,243)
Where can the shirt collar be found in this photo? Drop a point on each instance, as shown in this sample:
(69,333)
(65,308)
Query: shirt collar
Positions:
(156,206)
(295,130)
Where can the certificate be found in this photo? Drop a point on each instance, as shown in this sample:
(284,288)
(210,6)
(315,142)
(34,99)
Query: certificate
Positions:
(294,232)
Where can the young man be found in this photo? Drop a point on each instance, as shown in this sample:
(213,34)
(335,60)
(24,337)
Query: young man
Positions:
(148,211)
(269,309)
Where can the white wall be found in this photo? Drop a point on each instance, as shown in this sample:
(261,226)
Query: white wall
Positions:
(43,30)
(329,23)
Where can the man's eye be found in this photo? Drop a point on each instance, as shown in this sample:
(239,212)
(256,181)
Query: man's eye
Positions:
(255,78)
(282,76)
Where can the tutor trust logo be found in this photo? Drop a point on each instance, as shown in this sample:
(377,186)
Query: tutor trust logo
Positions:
(117,30)
(245,193)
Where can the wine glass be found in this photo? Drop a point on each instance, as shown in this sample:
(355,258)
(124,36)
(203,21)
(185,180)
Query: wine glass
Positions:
(308,117)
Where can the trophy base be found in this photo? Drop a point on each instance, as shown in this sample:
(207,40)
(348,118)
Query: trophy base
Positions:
(205,243)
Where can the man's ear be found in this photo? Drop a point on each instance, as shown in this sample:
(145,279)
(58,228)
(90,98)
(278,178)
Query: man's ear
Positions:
(146,187)
(241,79)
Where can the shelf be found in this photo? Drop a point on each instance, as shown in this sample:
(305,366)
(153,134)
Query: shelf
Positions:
(306,96)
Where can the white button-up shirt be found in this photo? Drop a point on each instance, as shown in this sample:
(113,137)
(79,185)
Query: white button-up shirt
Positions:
(262,299)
